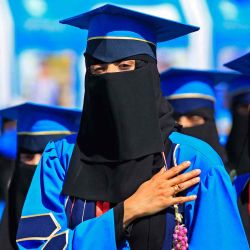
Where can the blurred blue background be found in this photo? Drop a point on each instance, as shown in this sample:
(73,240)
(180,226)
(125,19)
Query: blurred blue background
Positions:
(42,60)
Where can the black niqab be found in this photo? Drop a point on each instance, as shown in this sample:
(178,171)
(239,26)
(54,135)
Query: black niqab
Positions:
(207,131)
(237,144)
(124,125)
(19,187)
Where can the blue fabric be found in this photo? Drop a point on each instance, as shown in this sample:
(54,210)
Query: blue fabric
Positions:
(57,242)
(78,210)
(77,213)
(45,196)
(170,222)
(240,183)
(68,207)
(8,144)
(213,220)
(110,20)
(183,106)
(111,50)
(188,86)
(90,210)
(41,226)
(176,82)
(107,25)
(43,118)
(2,206)
(241,64)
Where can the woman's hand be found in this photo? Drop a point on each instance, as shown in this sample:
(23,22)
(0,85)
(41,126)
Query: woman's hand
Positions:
(159,192)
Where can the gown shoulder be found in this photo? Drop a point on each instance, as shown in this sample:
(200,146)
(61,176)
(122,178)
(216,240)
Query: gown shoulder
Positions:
(61,149)
(195,150)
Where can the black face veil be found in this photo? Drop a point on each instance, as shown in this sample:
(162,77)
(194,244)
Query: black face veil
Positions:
(207,131)
(124,127)
(238,142)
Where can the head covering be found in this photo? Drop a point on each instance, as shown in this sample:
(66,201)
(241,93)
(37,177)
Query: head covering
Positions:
(241,64)
(238,140)
(112,28)
(191,92)
(188,89)
(125,121)
(36,125)
(239,90)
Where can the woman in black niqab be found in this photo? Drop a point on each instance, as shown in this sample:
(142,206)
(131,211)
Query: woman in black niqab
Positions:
(124,128)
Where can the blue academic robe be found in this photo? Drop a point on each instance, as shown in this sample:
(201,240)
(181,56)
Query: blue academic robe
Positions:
(213,220)
(240,182)
(2,205)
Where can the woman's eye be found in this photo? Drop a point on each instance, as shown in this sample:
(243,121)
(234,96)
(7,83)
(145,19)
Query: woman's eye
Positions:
(97,69)
(124,66)
(197,120)
(26,157)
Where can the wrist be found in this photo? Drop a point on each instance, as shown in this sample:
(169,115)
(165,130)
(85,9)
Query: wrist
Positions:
(131,211)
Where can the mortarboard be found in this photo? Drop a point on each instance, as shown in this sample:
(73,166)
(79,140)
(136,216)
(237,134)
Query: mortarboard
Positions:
(239,88)
(241,64)
(112,28)
(38,124)
(188,89)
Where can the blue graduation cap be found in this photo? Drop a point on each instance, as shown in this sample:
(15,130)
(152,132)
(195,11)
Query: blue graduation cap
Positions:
(38,124)
(239,88)
(112,28)
(241,64)
(188,89)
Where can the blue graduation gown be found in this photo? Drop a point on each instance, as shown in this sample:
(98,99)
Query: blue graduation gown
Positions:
(213,219)
(2,205)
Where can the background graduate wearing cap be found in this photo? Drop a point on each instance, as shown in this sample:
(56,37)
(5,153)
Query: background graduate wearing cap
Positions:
(110,177)
(240,101)
(36,126)
(238,145)
(192,95)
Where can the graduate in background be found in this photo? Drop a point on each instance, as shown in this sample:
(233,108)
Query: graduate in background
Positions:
(106,188)
(7,160)
(238,145)
(192,95)
(36,126)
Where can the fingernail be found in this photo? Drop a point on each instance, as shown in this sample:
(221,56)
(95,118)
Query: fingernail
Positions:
(194,196)
(197,179)
(198,171)
(187,163)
